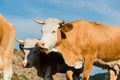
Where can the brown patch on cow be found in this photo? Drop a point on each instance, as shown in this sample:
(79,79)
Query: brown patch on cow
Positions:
(67,27)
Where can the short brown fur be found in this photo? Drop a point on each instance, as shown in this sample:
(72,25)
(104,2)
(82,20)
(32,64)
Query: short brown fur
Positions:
(7,35)
(88,41)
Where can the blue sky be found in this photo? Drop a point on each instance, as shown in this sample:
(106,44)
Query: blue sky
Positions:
(21,13)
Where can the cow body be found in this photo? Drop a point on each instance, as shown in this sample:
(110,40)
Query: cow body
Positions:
(7,35)
(81,41)
(46,65)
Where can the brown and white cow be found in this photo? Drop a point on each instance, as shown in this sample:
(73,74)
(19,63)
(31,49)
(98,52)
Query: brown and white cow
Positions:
(81,40)
(7,35)
(46,64)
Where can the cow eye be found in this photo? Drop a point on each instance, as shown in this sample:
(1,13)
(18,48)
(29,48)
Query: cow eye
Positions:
(53,32)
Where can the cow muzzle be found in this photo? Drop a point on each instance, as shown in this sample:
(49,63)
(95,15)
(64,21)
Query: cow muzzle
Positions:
(41,47)
(25,64)
(41,44)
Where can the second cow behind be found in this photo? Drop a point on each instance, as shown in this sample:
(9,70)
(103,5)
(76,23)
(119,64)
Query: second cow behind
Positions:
(46,65)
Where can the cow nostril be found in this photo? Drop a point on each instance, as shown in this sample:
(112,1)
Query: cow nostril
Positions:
(42,44)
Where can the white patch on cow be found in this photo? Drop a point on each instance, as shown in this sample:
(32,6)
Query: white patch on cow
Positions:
(54,50)
(113,63)
(8,73)
(78,65)
(110,63)
(49,30)
(28,44)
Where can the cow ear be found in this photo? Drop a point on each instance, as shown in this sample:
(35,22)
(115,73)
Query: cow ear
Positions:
(67,27)
(21,46)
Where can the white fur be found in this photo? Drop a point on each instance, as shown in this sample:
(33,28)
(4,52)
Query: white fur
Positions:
(48,37)
(28,43)
(78,64)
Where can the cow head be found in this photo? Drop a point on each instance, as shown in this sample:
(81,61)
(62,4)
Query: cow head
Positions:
(26,46)
(34,57)
(51,30)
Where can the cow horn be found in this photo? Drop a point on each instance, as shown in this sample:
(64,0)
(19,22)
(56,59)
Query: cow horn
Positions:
(20,41)
(62,22)
(38,21)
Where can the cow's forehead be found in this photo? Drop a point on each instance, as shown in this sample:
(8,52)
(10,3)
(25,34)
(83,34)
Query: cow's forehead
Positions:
(50,27)
(52,20)
(30,43)
(50,24)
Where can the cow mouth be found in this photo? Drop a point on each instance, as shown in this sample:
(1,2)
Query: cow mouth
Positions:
(26,66)
(43,49)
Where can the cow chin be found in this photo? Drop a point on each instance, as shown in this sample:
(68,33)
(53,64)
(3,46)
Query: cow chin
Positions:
(44,50)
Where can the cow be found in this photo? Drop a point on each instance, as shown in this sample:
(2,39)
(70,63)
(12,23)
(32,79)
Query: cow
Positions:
(46,65)
(81,40)
(7,36)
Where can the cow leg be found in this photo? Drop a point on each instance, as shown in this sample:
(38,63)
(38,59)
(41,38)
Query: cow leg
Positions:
(76,75)
(8,64)
(69,74)
(48,74)
(1,65)
(87,67)
(8,72)
(40,72)
(8,58)
(117,70)
(112,74)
